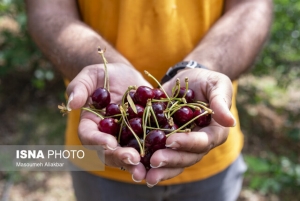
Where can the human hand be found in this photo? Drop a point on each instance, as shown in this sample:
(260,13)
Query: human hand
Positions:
(79,90)
(186,149)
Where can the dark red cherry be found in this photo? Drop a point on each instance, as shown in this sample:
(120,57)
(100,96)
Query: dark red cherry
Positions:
(203,120)
(142,94)
(171,128)
(136,125)
(155,140)
(100,98)
(183,115)
(131,94)
(140,110)
(145,160)
(112,109)
(134,144)
(190,95)
(126,136)
(110,126)
(158,107)
(158,94)
(161,119)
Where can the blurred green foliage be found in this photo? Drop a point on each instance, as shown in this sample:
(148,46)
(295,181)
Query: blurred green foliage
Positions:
(19,54)
(276,169)
(281,55)
(273,175)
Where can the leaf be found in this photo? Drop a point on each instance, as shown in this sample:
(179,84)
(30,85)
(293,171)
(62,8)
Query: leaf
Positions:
(131,103)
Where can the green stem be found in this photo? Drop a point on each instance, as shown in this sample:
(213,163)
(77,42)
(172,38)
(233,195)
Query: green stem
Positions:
(210,111)
(106,78)
(123,112)
(154,116)
(186,124)
(168,130)
(158,83)
(89,109)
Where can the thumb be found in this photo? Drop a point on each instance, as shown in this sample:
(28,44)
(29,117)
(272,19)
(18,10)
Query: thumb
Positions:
(220,105)
(220,98)
(78,95)
(83,85)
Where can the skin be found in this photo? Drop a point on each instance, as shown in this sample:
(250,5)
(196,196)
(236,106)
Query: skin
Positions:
(228,49)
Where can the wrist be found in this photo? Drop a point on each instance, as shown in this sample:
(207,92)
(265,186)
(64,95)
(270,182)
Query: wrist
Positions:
(172,71)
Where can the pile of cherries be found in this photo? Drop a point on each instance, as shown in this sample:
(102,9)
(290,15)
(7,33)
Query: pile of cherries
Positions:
(147,116)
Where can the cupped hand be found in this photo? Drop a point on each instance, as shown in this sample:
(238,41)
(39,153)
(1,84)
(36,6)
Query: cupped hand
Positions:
(79,90)
(186,149)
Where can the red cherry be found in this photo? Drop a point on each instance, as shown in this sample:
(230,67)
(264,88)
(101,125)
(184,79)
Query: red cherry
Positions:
(136,125)
(140,111)
(134,144)
(171,128)
(189,97)
(110,126)
(203,120)
(155,140)
(161,119)
(145,160)
(100,98)
(142,94)
(126,136)
(183,115)
(158,94)
(158,107)
(112,109)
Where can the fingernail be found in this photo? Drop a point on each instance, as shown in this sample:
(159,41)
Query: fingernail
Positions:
(71,97)
(128,161)
(159,165)
(173,145)
(234,121)
(137,181)
(151,185)
(105,147)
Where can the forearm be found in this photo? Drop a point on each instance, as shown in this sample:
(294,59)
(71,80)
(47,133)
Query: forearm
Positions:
(68,43)
(232,44)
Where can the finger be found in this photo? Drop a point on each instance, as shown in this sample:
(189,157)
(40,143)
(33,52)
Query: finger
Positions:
(138,172)
(83,85)
(154,176)
(219,93)
(127,158)
(89,133)
(136,169)
(122,156)
(200,141)
(168,158)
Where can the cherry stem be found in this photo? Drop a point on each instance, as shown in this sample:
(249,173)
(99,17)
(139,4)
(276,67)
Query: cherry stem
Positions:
(106,78)
(202,103)
(170,130)
(92,111)
(176,88)
(154,116)
(186,80)
(123,112)
(180,128)
(158,83)
(210,111)
(120,131)
(145,119)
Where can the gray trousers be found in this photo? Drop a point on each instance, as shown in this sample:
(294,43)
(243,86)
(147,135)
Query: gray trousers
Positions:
(224,186)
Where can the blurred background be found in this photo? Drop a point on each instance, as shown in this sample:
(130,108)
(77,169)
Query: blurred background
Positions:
(268,103)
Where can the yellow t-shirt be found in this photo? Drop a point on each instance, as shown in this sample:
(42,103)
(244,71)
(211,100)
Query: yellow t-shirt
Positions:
(154,35)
